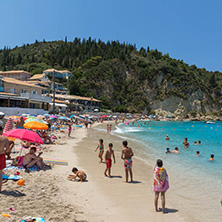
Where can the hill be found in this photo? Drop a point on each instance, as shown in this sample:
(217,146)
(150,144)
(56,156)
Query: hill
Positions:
(124,78)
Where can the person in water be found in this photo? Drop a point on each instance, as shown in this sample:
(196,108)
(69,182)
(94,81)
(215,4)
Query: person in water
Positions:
(127,155)
(195,143)
(199,142)
(160,184)
(211,157)
(167,137)
(101,150)
(186,143)
(108,157)
(167,150)
(198,153)
(78,173)
(176,150)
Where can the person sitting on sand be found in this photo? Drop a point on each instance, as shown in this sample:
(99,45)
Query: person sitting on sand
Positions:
(78,173)
(127,155)
(160,184)
(101,150)
(108,157)
(198,153)
(167,150)
(167,137)
(176,150)
(211,157)
(186,143)
(11,145)
(30,159)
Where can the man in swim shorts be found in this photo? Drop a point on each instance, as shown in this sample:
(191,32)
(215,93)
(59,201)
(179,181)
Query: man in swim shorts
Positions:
(127,155)
(4,147)
(108,157)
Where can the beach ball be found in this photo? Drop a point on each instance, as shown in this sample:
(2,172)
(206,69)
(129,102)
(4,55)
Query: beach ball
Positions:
(201,130)
(149,127)
(21,182)
(192,125)
(216,129)
(217,125)
(205,125)
(162,128)
(187,129)
(173,128)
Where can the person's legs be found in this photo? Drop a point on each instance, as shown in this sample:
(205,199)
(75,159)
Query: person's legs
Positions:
(105,173)
(127,174)
(156,200)
(163,201)
(109,172)
(32,163)
(131,174)
(0,181)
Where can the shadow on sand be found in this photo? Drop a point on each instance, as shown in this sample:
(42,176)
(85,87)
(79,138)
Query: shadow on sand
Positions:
(116,177)
(169,211)
(14,193)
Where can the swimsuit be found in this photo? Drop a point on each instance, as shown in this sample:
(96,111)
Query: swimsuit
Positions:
(70,129)
(100,148)
(108,163)
(26,147)
(2,161)
(128,163)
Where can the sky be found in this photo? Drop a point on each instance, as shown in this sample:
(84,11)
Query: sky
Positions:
(189,30)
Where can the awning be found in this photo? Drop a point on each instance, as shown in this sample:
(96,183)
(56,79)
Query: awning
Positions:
(58,104)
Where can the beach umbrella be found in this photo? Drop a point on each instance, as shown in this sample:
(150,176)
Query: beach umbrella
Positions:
(35,125)
(63,118)
(53,116)
(8,125)
(24,134)
(25,114)
(104,116)
(33,115)
(41,116)
(14,117)
(96,110)
(46,114)
(72,116)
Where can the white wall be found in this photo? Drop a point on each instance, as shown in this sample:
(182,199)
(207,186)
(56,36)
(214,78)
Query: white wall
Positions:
(13,111)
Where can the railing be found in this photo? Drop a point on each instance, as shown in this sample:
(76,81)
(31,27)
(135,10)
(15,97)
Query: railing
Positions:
(36,97)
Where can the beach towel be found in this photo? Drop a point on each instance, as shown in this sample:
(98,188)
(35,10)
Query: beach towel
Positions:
(33,168)
(160,182)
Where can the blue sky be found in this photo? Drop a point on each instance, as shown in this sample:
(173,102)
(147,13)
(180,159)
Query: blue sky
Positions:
(189,30)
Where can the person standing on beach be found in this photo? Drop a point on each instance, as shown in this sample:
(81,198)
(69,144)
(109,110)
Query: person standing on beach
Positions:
(70,128)
(108,157)
(160,184)
(127,155)
(101,150)
(4,147)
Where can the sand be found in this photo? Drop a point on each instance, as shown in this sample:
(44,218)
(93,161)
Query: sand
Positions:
(50,195)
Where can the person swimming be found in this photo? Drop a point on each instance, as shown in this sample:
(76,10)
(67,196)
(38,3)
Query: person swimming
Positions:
(176,150)
(198,153)
(167,137)
(199,142)
(167,150)
(195,143)
(211,157)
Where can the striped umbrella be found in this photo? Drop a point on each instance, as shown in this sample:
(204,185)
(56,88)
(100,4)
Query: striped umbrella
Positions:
(9,126)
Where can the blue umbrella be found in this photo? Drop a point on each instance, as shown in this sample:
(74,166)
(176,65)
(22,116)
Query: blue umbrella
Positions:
(63,118)
(71,116)
(33,115)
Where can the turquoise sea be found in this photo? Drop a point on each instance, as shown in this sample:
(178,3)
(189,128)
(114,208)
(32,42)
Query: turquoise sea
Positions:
(193,179)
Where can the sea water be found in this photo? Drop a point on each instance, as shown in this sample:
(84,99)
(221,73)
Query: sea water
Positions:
(195,181)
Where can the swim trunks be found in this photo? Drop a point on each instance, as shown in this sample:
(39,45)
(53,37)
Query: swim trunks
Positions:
(2,161)
(128,163)
(108,163)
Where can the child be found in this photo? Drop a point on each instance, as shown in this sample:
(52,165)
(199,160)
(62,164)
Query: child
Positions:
(167,150)
(211,157)
(101,150)
(198,153)
(78,173)
(108,155)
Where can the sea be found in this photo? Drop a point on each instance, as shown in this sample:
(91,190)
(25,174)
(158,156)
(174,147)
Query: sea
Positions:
(195,182)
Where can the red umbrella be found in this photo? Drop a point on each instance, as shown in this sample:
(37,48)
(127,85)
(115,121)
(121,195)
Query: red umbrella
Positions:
(24,134)
(104,116)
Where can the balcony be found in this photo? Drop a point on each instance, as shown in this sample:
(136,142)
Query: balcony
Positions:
(36,97)
(1,89)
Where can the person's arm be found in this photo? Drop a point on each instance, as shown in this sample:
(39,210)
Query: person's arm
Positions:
(114,157)
(40,154)
(97,148)
(132,154)
(7,148)
(122,155)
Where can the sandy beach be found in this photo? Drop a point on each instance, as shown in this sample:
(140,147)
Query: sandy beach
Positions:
(50,195)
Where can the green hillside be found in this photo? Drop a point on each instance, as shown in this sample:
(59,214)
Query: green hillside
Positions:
(124,78)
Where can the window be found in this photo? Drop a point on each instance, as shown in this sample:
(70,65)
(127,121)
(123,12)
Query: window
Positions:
(24,91)
(13,91)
